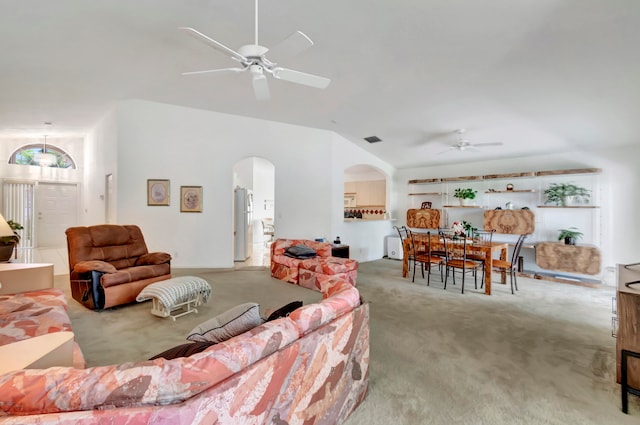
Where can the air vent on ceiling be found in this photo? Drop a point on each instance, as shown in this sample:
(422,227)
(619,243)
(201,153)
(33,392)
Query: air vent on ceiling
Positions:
(373,139)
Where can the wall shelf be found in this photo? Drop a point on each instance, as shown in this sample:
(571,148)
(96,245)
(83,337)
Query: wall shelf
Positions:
(425,194)
(572,206)
(463,206)
(511,191)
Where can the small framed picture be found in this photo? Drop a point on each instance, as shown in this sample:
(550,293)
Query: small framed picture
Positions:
(158,192)
(190,198)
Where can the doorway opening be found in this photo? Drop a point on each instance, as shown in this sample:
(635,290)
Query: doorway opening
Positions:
(253,211)
(45,210)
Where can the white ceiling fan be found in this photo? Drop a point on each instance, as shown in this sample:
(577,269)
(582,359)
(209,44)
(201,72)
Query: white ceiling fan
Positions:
(252,57)
(464,145)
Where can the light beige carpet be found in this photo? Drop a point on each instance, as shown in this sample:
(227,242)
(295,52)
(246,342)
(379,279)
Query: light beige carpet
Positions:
(542,356)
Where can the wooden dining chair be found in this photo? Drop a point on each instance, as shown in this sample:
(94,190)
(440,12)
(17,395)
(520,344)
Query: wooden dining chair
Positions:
(510,266)
(404,234)
(484,237)
(422,256)
(455,247)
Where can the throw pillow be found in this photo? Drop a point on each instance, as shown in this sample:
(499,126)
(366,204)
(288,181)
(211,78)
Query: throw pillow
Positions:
(153,258)
(300,251)
(232,322)
(94,265)
(284,311)
(183,350)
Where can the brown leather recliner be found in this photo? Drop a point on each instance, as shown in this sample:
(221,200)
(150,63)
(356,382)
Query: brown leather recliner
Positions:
(109,264)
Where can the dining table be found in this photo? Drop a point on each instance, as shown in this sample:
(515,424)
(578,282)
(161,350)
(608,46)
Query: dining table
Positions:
(487,249)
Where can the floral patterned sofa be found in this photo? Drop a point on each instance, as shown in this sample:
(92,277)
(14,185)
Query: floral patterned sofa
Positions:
(311,273)
(311,367)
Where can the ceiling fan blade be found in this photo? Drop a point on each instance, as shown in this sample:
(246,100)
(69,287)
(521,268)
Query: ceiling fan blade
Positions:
(486,144)
(446,150)
(301,78)
(293,45)
(209,71)
(215,44)
(261,86)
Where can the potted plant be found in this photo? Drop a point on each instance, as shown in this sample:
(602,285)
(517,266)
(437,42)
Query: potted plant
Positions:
(566,194)
(465,195)
(8,243)
(570,235)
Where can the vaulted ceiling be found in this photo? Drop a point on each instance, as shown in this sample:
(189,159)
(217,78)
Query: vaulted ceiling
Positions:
(537,76)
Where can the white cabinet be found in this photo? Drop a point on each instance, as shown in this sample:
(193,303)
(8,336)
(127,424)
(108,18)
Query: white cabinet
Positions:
(350,187)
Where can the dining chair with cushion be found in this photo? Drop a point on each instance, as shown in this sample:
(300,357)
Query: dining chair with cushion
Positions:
(405,234)
(455,247)
(510,266)
(421,244)
(483,237)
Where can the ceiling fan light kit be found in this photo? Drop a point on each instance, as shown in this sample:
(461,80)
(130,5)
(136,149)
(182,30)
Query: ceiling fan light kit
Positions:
(252,57)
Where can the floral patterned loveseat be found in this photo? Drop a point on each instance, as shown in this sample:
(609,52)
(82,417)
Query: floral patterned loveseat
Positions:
(311,367)
(314,272)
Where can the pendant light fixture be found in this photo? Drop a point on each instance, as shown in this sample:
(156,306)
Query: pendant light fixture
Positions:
(44,159)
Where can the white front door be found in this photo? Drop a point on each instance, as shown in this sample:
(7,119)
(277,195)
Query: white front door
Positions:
(56,210)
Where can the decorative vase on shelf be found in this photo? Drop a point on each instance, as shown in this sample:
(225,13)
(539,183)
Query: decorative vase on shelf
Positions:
(465,202)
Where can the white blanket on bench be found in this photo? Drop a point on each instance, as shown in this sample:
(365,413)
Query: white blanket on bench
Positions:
(176,290)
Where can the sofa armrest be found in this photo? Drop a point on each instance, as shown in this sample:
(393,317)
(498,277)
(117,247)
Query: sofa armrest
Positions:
(94,265)
(153,258)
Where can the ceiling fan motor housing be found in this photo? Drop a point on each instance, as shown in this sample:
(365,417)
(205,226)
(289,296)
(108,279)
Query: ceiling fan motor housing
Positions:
(253,51)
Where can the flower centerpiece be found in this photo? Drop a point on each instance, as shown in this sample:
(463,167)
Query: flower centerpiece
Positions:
(463,229)
(457,228)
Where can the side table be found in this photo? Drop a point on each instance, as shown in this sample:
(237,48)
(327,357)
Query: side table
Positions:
(341,251)
(20,277)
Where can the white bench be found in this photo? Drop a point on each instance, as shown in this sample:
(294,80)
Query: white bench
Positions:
(179,294)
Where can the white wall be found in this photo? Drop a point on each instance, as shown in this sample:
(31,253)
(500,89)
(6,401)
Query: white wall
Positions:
(200,148)
(101,157)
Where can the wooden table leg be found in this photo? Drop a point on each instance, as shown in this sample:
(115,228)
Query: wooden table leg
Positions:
(488,264)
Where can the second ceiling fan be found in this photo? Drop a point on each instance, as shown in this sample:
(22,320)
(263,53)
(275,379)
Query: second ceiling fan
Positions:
(463,144)
(251,57)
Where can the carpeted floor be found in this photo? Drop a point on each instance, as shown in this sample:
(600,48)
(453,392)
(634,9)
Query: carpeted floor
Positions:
(542,356)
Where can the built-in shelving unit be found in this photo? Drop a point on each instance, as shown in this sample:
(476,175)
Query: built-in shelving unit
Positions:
(515,192)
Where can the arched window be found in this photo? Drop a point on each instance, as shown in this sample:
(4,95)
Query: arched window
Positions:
(28,155)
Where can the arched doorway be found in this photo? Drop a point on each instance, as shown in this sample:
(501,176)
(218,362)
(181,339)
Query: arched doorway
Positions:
(254,206)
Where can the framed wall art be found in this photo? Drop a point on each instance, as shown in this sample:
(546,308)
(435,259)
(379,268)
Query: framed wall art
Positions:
(190,198)
(158,192)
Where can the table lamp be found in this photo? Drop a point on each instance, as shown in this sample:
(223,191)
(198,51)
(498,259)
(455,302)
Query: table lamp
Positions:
(5,229)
